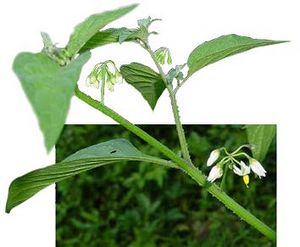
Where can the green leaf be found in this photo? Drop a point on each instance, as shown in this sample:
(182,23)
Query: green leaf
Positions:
(149,83)
(214,50)
(260,136)
(101,38)
(108,36)
(175,73)
(49,88)
(125,34)
(113,151)
(88,28)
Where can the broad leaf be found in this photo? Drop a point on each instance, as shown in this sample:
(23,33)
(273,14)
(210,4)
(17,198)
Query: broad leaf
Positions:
(88,28)
(105,153)
(214,50)
(149,83)
(49,88)
(260,136)
(109,36)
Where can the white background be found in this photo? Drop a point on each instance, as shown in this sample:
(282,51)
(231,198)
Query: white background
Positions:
(259,86)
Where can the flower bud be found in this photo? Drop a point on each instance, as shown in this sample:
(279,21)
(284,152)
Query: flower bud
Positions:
(214,155)
(215,173)
(163,55)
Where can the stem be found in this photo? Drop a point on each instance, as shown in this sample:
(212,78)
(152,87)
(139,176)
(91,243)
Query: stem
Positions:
(179,128)
(232,205)
(241,154)
(243,146)
(223,182)
(102,92)
(181,83)
(133,128)
(192,171)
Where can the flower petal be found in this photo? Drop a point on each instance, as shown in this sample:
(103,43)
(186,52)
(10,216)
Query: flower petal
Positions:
(215,173)
(214,155)
(237,170)
(257,168)
(245,169)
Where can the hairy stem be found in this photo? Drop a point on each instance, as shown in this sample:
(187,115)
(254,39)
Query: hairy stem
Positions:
(192,171)
(179,128)
(223,182)
(181,83)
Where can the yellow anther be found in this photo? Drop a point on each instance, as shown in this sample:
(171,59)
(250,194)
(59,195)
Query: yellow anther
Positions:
(246,180)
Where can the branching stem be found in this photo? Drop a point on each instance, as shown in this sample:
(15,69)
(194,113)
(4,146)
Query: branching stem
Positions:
(191,170)
(180,84)
(179,128)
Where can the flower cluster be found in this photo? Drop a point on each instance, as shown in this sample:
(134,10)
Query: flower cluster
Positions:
(163,55)
(239,167)
(105,73)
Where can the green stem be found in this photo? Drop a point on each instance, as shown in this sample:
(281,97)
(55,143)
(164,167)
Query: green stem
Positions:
(181,83)
(102,92)
(179,128)
(223,182)
(128,125)
(192,171)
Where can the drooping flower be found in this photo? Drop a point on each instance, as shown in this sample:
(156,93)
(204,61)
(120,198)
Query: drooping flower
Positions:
(214,155)
(243,172)
(215,173)
(105,73)
(163,55)
(257,168)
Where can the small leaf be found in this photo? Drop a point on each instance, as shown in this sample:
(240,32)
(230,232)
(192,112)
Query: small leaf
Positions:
(124,34)
(113,151)
(175,73)
(214,50)
(88,28)
(49,88)
(149,83)
(260,136)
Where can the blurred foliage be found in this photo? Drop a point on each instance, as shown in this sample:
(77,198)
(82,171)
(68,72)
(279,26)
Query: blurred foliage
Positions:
(137,204)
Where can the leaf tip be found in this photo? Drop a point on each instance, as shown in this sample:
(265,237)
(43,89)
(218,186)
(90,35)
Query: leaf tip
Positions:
(283,41)
(133,6)
(9,206)
(7,209)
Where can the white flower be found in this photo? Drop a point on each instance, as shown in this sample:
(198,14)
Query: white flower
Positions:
(105,73)
(214,155)
(257,168)
(215,173)
(92,80)
(243,172)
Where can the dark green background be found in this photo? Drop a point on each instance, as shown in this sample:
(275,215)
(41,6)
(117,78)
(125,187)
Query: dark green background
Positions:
(136,204)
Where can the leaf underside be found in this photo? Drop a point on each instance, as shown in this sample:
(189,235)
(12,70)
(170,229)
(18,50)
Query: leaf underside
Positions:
(110,152)
(49,88)
(214,50)
(260,136)
(89,27)
(149,83)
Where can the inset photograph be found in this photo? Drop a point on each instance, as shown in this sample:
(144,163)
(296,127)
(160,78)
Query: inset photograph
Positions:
(151,203)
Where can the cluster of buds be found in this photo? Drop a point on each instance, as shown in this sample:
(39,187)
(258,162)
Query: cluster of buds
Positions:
(239,167)
(163,55)
(105,73)
(60,55)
